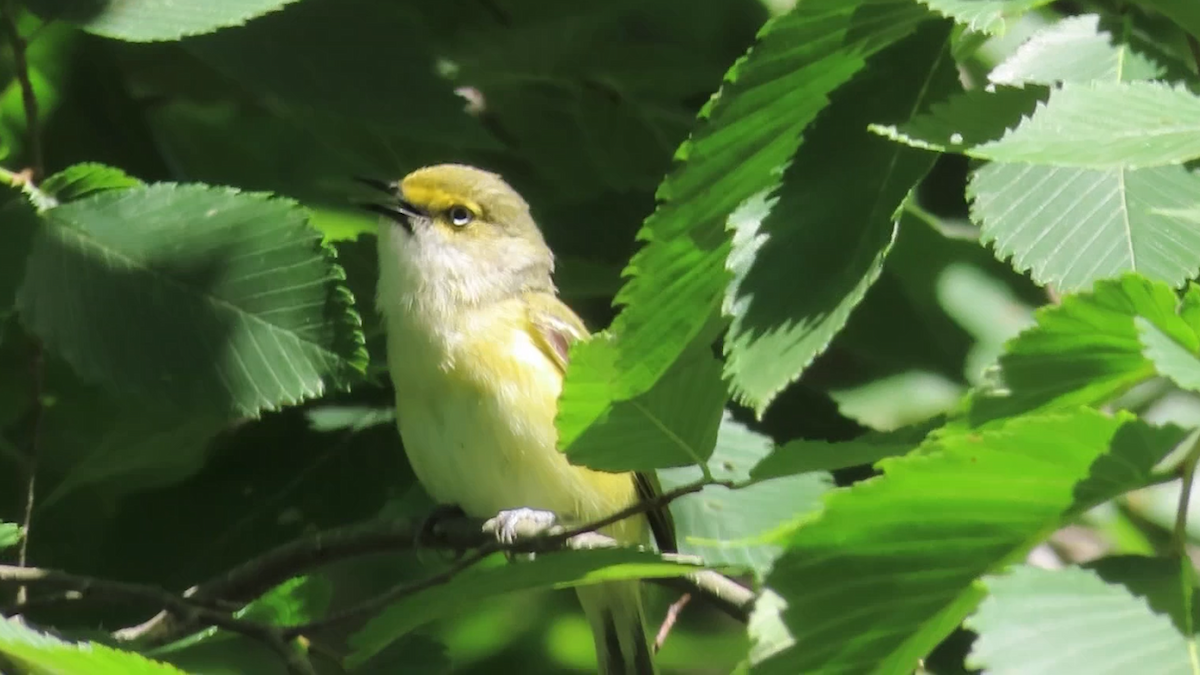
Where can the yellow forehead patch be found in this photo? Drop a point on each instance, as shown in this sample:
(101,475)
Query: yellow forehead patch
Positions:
(435,198)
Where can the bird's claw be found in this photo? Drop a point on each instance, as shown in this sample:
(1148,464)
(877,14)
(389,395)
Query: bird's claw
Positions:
(515,524)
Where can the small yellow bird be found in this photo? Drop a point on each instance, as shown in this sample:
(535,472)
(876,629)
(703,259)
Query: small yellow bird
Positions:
(477,344)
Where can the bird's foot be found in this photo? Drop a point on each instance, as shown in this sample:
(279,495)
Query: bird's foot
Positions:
(518,524)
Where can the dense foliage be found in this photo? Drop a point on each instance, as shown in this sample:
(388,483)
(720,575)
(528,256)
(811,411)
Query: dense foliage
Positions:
(907,286)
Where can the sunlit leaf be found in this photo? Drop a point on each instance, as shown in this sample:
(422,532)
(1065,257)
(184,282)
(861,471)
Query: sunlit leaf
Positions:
(10,535)
(1075,49)
(960,507)
(986,16)
(204,298)
(747,133)
(673,424)
(150,20)
(1084,351)
(712,523)
(830,223)
(1043,622)
(41,654)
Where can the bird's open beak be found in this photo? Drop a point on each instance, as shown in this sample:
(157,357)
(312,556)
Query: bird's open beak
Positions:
(394,208)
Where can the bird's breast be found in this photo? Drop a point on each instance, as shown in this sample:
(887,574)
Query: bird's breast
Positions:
(475,403)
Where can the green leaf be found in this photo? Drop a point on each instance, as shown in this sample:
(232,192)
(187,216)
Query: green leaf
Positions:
(803,455)
(1105,125)
(296,601)
(985,16)
(18,225)
(1038,621)
(779,327)
(1175,358)
(10,535)
(212,300)
(496,577)
(41,654)
(888,570)
(1185,13)
(966,119)
(1084,351)
(329,77)
(1099,125)
(1075,49)
(1070,227)
(748,131)
(716,523)
(151,20)
(673,424)
(83,180)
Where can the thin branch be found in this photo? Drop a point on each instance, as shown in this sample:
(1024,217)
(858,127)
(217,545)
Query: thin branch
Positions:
(271,636)
(1179,534)
(669,621)
(34,141)
(208,604)
(584,536)
(28,96)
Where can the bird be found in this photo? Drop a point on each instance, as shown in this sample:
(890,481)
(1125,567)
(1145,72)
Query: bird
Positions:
(478,342)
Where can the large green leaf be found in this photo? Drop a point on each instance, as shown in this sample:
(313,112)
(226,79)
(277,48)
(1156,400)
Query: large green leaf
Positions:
(717,523)
(1071,226)
(888,569)
(800,271)
(495,577)
(1084,351)
(1075,49)
(1044,622)
(748,132)
(673,424)
(205,298)
(1176,356)
(18,224)
(985,16)
(40,654)
(365,61)
(150,20)
(1105,125)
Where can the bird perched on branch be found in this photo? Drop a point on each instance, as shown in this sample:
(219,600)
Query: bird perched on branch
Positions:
(477,343)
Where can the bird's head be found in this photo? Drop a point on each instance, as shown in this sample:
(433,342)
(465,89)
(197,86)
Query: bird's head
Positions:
(460,235)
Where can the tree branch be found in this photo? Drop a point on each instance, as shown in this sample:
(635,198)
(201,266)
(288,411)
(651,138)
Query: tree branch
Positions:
(33,138)
(209,602)
(122,591)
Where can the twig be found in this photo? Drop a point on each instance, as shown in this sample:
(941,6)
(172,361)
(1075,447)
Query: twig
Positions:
(585,536)
(271,636)
(28,95)
(669,621)
(1179,534)
(34,141)
(208,604)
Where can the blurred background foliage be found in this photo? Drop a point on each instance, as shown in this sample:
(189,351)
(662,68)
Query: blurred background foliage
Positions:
(581,107)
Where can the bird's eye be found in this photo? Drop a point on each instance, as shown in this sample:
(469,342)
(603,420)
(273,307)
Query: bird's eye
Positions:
(460,216)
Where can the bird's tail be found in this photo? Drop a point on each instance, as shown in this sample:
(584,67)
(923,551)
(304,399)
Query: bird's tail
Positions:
(614,609)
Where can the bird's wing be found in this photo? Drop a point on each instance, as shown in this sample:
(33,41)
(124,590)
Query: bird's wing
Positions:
(556,327)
